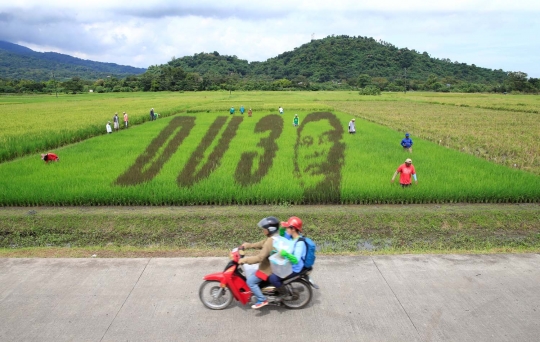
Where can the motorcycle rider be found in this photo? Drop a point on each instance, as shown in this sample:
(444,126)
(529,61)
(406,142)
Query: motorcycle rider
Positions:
(270,226)
(293,230)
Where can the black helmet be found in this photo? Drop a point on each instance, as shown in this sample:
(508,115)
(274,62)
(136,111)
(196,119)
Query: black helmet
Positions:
(271,223)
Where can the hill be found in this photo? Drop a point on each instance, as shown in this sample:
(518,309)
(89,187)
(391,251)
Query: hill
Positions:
(19,62)
(337,58)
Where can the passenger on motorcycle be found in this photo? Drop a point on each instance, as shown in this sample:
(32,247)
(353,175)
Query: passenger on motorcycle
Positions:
(293,229)
(270,226)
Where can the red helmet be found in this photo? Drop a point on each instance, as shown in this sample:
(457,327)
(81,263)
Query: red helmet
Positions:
(294,222)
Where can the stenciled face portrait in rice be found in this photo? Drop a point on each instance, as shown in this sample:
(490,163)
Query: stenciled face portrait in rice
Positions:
(319,155)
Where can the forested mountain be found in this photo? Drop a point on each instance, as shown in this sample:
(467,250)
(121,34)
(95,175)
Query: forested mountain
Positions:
(339,58)
(344,57)
(19,62)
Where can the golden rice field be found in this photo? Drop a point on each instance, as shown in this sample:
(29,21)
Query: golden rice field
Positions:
(517,103)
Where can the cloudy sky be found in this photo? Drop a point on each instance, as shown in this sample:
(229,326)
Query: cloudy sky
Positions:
(494,34)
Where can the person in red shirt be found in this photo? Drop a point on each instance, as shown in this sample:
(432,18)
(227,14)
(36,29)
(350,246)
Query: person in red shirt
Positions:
(47,157)
(405,172)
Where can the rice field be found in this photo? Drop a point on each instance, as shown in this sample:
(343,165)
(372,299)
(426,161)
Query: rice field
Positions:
(30,124)
(509,103)
(504,137)
(211,158)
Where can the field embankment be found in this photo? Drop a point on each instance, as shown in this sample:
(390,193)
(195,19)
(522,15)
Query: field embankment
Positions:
(167,231)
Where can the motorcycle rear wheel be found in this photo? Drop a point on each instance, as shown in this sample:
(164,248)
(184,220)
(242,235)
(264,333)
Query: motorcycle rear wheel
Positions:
(302,294)
(213,296)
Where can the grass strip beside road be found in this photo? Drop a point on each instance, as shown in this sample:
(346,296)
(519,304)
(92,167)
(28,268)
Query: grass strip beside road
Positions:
(212,231)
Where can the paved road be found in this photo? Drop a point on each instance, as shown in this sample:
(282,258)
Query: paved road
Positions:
(380,298)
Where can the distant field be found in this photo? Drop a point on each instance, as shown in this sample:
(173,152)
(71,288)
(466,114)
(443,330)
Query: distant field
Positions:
(513,103)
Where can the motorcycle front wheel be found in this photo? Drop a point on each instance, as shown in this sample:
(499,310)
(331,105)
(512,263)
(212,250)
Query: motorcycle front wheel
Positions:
(301,294)
(213,296)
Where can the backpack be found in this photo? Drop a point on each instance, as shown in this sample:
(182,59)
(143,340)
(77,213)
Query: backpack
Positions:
(311,248)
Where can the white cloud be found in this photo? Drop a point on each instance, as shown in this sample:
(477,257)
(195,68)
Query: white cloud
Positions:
(489,33)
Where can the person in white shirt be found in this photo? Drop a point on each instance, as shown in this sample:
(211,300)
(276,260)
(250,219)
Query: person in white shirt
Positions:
(352,128)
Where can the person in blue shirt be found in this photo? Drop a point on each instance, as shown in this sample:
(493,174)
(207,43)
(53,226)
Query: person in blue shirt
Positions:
(407,143)
(231,110)
(242,110)
(293,229)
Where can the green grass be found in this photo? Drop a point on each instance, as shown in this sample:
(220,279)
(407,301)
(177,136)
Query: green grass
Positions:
(88,171)
(336,229)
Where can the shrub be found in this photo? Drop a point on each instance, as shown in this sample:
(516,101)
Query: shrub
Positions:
(370,90)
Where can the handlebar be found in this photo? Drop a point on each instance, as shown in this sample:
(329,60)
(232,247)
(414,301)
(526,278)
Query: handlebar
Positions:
(237,253)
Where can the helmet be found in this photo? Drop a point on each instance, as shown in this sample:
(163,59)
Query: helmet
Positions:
(271,223)
(294,222)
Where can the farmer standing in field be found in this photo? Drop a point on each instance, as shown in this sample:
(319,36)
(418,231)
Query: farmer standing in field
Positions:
(125,120)
(250,112)
(47,157)
(231,111)
(242,110)
(405,172)
(116,122)
(295,120)
(152,116)
(407,143)
(280,110)
(108,127)
(352,127)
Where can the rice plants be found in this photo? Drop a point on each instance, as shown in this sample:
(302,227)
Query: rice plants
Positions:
(504,137)
(216,159)
(52,122)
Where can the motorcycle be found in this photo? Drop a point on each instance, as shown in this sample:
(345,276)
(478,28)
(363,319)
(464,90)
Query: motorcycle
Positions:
(219,289)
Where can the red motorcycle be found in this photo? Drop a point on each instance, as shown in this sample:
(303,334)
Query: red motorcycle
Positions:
(219,289)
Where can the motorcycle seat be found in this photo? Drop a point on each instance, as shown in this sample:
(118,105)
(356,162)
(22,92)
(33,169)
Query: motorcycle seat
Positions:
(305,271)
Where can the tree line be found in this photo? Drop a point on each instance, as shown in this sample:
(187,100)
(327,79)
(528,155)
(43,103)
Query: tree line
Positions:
(176,79)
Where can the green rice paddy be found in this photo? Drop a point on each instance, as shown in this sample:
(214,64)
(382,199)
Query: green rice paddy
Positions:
(210,157)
